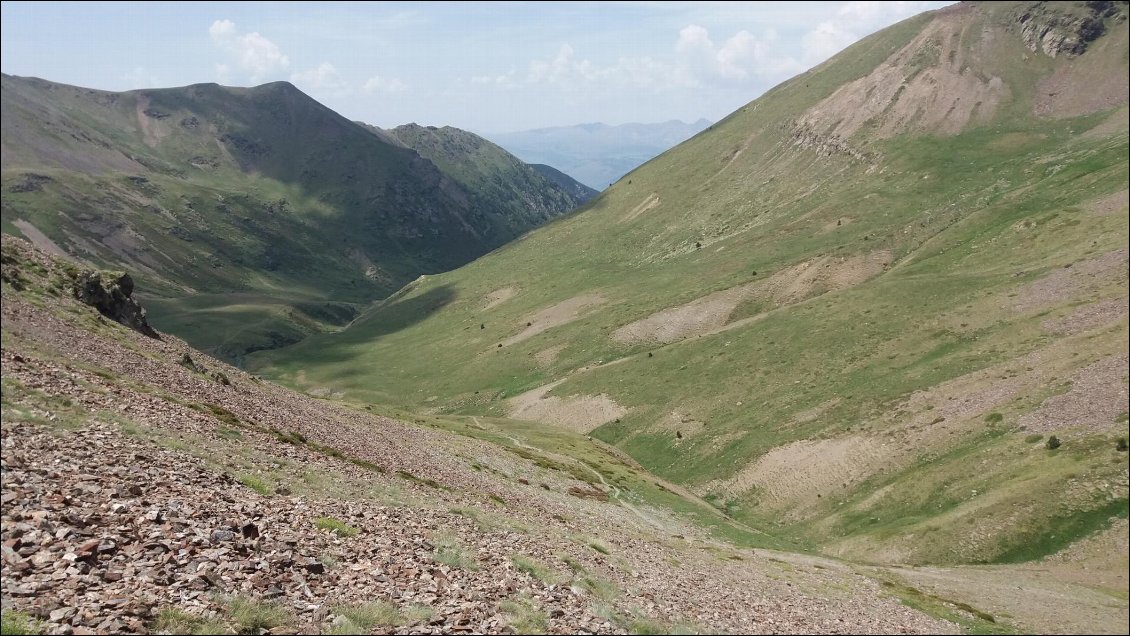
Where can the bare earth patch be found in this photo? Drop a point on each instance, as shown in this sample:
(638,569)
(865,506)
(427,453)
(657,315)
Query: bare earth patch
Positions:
(580,413)
(499,296)
(546,357)
(38,239)
(711,313)
(1097,396)
(791,476)
(650,203)
(1112,204)
(563,312)
(925,86)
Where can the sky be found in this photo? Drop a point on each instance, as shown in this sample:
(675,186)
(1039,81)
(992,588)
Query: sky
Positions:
(487,67)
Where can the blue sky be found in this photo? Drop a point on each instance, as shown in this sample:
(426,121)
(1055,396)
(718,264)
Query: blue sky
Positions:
(486,67)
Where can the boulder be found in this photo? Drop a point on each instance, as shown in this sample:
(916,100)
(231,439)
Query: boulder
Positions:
(111,294)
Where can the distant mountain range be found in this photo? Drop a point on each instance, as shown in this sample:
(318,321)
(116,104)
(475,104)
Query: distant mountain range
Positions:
(255,216)
(597,154)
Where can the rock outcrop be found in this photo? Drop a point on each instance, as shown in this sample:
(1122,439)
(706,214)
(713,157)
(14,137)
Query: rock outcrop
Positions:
(111,294)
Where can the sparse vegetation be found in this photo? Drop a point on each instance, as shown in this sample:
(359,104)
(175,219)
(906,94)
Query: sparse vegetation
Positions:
(340,528)
(449,551)
(363,619)
(12,622)
(994,418)
(171,620)
(252,616)
(535,568)
(524,616)
(256,484)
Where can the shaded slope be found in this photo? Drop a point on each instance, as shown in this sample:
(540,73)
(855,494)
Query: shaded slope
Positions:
(844,312)
(208,191)
(521,196)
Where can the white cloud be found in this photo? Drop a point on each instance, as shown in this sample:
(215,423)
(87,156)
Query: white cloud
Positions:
(505,80)
(378,84)
(256,56)
(324,79)
(853,21)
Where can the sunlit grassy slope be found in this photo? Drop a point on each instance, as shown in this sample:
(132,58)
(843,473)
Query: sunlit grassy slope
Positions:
(849,333)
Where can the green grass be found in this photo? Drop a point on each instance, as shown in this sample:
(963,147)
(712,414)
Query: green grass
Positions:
(12,622)
(340,528)
(969,618)
(256,484)
(524,616)
(452,553)
(362,619)
(251,616)
(535,568)
(171,620)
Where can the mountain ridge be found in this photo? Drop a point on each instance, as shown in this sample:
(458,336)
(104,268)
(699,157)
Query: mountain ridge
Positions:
(254,204)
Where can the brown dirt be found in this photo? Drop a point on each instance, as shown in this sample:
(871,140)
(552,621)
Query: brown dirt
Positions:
(38,238)
(562,313)
(546,357)
(789,477)
(499,296)
(579,413)
(1113,204)
(711,313)
(924,87)
(650,203)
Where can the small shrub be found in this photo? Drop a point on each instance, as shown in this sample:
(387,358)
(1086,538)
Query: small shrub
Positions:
(451,553)
(1033,438)
(534,568)
(1121,445)
(1053,443)
(524,617)
(252,616)
(172,620)
(339,528)
(361,619)
(994,418)
(256,484)
(18,623)
(599,548)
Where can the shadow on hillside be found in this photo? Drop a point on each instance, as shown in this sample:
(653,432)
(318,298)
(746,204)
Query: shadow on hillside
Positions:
(390,317)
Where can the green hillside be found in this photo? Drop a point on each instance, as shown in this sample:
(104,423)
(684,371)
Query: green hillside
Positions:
(257,215)
(852,313)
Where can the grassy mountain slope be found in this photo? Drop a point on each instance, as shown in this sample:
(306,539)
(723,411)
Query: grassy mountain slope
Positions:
(597,154)
(854,312)
(255,215)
